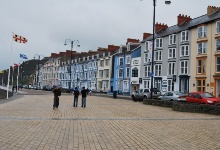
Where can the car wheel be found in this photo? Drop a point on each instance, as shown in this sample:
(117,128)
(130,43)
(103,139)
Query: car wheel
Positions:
(133,98)
(171,100)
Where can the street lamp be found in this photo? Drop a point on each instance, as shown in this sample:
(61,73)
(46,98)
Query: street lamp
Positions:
(38,68)
(152,64)
(72,42)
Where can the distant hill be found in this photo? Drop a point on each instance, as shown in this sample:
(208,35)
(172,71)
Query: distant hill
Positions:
(26,69)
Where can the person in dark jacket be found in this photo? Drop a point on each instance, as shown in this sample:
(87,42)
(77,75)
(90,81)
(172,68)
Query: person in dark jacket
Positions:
(84,94)
(57,93)
(76,96)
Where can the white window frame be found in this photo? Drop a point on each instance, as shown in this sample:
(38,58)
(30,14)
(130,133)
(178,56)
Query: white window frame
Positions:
(171,68)
(203,48)
(170,85)
(119,60)
(159,43)
(147,70)
(202,31)
(120,69)
(128,59)
(184,67)
(184,50)
(158,55)
(146,84)
(145,57)
(172,39)
(171,53)
(157,69)
(218,27)
(184,36)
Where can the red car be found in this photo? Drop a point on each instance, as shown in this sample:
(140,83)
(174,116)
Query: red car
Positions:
(202,98)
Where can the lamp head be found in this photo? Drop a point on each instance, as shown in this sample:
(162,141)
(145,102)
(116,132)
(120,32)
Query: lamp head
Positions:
(167,2)
(65,44)
(78,45)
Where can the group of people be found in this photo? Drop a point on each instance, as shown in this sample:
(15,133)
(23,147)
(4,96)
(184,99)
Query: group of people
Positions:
(76,93)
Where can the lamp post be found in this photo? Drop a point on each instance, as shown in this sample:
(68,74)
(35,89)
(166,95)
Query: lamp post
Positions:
(152,64)
(38,68)
(72,42)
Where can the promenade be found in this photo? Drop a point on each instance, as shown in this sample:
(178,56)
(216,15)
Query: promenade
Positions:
(28,122)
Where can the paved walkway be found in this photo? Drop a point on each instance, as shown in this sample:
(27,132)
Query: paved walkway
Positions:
(29,122)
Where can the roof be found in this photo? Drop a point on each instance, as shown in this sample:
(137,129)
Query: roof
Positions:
(185,26)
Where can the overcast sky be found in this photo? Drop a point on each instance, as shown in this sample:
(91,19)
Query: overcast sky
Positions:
(95,23)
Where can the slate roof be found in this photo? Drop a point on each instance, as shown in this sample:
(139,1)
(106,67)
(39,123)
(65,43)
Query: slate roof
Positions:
(185,26)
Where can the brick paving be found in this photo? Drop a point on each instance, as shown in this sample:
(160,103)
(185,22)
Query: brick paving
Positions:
(29,122)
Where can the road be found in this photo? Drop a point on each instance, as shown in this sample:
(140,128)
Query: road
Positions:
(27,121)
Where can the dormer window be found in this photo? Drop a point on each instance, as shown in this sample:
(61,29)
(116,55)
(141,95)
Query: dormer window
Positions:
(128,47)
(120,49)
(202,31)
(218,27)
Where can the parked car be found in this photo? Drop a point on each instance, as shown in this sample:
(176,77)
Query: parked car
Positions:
(173,96)
(202,98)
(140,94)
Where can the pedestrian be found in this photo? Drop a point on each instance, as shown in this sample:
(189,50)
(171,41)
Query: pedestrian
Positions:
(76,96)
(57,93)
(13,87)
(84,94)
(16,88)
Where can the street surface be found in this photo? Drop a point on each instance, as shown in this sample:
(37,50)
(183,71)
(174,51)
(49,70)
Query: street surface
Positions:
(27,121)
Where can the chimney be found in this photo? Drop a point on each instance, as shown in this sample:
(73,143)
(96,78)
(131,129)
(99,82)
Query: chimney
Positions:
(129,40)
(146,35)
(54,55)
(182,19)
(212,9)
(159,27)
(62,53)
(112,48)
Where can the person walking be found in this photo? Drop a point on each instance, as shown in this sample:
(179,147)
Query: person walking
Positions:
(76,96)
(84,94)
(57,93)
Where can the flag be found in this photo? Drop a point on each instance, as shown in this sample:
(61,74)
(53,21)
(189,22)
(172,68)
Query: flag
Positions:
(23,56)
(19,39)
(16,65)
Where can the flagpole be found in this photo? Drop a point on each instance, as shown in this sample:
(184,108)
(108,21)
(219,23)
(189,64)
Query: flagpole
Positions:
(9,66)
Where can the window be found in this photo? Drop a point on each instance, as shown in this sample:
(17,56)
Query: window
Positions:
(158,55)
(128,60)
(147,57)
(107,62)
(218,44)
(157,69)
(218,27)
(202,31)
(120,73)
(147,44)
(147,70)
(172,39)
(170,86)
(120,61)
(172,53)
(184,36)
(200,85)
(135,72)
(100,73)
(202,48)
(201,66)
(101,63)
(146,84)
(218,64)
(171,68)
(120,49)
(184,50)
(159,43)
(184,67)
(106,74)
(127,72)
